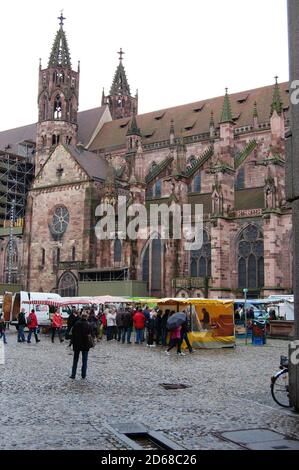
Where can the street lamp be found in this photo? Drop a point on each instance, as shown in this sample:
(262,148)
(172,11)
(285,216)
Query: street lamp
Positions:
(245,313)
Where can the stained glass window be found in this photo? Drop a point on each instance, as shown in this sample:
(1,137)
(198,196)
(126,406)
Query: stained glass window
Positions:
(117,251)
(156,265)
(197,184)
(158,189)
(145,266)
(251,258)
(68,285)
(240,181)
(200,260)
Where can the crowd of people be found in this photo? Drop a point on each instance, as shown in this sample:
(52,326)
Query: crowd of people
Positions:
(86,327)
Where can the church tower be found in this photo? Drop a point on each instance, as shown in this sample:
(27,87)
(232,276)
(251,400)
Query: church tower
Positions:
(120,101)
(58,99)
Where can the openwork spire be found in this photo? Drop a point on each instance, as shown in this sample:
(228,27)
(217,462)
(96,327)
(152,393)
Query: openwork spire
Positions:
(277,104)
(226,110)
(120,85)
(60,54)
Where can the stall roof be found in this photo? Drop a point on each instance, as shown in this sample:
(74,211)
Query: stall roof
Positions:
(194,301)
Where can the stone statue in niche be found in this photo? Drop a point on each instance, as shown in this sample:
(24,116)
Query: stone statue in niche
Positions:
(217,198)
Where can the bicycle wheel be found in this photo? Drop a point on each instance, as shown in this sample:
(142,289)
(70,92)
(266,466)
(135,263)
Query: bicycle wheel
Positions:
(280,388)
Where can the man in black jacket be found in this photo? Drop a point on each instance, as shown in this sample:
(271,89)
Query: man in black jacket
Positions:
(72,319)
(127,326)
(21,326)
(82,341)
(164,318)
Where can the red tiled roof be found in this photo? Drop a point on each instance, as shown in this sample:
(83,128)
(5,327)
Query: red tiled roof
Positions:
(196,114)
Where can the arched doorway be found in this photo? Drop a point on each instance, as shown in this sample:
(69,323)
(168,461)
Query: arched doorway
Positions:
(68,285)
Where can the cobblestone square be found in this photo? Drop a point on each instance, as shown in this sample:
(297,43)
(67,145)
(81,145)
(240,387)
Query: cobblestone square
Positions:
(41,408)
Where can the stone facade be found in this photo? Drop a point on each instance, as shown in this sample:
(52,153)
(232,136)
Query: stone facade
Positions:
(226,153)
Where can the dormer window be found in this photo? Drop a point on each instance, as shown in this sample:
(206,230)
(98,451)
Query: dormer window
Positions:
(242,99)
(149,134)
(237,117)
(199,108)
(124,125)
(158,117)
(190,126)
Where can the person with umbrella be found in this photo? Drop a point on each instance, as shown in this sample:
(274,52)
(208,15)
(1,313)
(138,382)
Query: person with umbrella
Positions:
(184,335)
(174,324)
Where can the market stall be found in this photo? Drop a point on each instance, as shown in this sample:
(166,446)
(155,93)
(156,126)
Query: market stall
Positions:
(211,321)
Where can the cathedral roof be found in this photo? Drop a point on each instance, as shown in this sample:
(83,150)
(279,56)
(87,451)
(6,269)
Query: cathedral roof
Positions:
(192,119)
(95,166)
(87,123)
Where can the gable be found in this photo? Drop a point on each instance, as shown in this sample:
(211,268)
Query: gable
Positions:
(60,168)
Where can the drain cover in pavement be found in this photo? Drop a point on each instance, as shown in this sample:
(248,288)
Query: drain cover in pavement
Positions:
(175,386)
(261,439)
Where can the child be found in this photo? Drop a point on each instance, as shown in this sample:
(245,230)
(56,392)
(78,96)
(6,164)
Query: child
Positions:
(175,340)
(2,330)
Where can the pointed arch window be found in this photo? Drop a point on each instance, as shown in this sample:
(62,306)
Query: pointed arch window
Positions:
(197,183)
(43,260)
(201,260)
(145,266)
(55,139)
(251,258)
(240,181)
(117,251)
(68,286)
(149,193)
(45,108)
(158,189)
(58,107)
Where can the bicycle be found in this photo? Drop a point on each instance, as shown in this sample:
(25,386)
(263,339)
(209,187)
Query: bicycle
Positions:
(280,384)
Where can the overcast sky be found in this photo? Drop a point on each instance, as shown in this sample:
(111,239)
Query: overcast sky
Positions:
(176,51)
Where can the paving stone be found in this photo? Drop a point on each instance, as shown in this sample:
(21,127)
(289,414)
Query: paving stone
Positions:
(42,408)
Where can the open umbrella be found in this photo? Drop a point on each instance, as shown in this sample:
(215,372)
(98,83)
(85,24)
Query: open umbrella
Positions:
(176,320)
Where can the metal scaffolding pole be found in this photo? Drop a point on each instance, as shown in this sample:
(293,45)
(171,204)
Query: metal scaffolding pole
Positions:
(16,175)
(10,246)
(292,189)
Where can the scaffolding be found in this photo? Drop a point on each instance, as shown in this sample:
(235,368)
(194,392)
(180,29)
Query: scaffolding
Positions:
(16,175)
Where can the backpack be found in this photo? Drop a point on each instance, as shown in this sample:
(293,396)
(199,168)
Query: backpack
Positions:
(29,320)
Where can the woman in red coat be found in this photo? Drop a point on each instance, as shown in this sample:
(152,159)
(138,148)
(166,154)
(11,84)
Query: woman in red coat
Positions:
(57,326)
(139,322)
(32,325)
